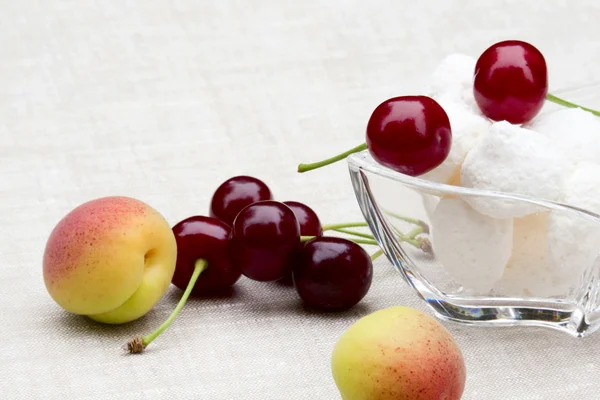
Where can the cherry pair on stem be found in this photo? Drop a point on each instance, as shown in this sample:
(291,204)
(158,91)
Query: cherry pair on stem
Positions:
(412,134)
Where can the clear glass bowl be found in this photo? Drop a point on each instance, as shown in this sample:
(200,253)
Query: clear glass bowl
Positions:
(561,291)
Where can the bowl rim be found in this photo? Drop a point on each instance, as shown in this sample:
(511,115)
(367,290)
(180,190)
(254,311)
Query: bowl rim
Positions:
(364,161)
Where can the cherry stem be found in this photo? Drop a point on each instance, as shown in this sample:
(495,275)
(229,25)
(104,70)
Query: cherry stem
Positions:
(376,255)
(365,241)
(410,238)
(359,234)
(415,232)
(319,164)
(138,345)
(565,103)
(413,221)
(332,227)
(360,241)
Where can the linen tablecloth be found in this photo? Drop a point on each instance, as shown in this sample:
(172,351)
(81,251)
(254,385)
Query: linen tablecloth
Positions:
(162,101)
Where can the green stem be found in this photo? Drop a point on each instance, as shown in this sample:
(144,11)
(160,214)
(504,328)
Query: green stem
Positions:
(359,234)
(361,241)
(332,227)
(565,103)
(134,345)
(415,232)
(410,239)
(413,221)
(319,164)
(365,241)
(376,255)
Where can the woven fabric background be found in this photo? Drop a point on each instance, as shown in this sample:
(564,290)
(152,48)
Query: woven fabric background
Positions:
(163,100)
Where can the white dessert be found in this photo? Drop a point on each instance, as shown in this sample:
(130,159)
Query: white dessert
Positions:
(530,270)
(452,81)
(513,160)
(512,247)
(573,241)
(468,129)
(430,203)
(575,131)
(472,247)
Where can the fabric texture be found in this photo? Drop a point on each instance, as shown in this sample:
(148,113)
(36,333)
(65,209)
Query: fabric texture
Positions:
(162,101)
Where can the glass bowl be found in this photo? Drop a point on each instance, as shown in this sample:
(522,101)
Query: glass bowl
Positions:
(548,277)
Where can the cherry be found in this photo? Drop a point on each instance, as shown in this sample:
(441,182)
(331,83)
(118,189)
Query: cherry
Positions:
(236,193)
(310,225)
(333,274)
(204,238)
(409,134)
(265,238)
(511,81)
(203,247)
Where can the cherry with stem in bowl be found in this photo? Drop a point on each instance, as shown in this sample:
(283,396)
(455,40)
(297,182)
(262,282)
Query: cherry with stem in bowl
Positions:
(236,193)
(265,239)
(511,81)
(409,134)
(203,266)
(333,274)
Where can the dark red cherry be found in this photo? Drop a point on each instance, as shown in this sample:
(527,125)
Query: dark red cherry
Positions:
(409,134)
(205,238)
(511,82)
(265,239)
(310,225)
(203,264)
(333,274)
(236,193)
